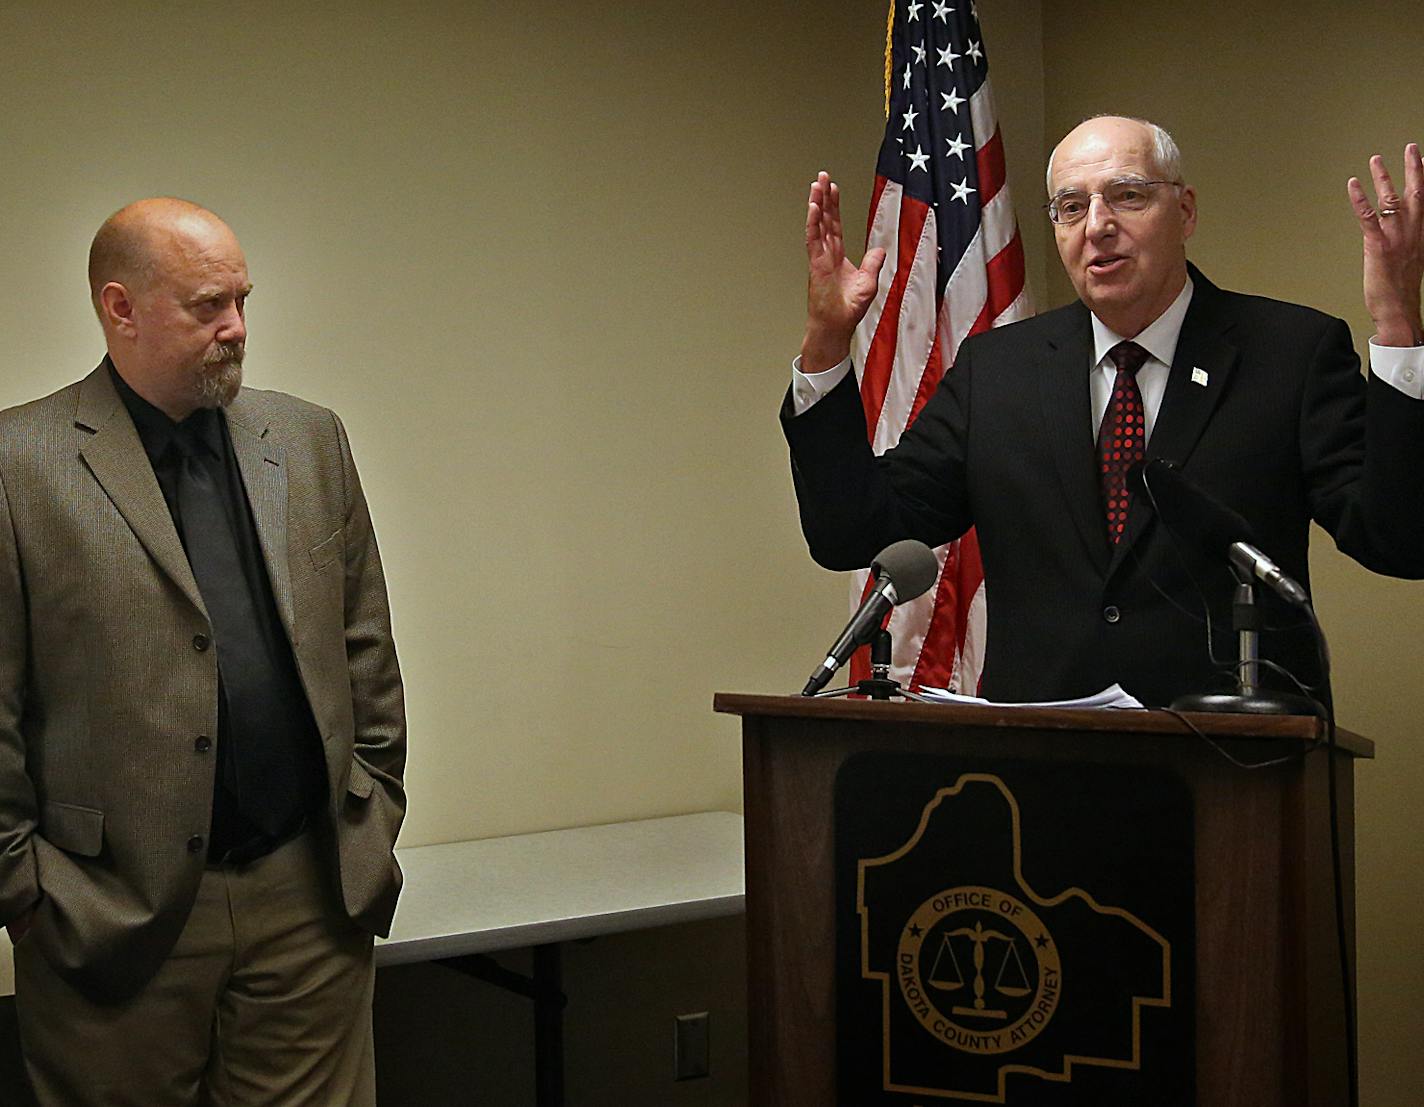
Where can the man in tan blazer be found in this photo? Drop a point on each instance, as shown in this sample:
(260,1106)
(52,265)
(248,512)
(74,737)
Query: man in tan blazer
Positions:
(202,728)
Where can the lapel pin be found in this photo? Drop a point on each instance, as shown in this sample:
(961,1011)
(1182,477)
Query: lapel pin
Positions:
(1199,376)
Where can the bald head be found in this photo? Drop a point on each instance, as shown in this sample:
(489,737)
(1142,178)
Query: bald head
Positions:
(169,282)
(1125,129)
(129,247)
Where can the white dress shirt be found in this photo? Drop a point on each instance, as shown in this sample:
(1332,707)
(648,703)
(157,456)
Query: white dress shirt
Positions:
(1159,339)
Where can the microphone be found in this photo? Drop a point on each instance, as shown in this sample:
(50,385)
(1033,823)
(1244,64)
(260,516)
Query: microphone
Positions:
(1219,531)
(902,571)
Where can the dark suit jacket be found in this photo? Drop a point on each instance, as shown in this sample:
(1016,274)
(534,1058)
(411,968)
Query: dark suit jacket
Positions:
(104,691)
(1278,432)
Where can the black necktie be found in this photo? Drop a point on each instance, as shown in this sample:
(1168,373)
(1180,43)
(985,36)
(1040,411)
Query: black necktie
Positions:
(254,773)
(1122,438)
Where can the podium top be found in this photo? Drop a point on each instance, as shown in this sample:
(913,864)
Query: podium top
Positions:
(1155,721)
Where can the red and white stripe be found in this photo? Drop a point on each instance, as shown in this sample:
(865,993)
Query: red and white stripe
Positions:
(900,353)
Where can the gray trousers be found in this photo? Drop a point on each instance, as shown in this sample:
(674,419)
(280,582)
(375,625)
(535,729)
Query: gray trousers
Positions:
(264,1001)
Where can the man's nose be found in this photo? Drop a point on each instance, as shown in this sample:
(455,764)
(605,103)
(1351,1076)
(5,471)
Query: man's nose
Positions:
(233,327)
(1100,220)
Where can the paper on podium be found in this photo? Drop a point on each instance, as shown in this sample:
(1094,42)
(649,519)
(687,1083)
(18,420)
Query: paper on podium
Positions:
(1112,696)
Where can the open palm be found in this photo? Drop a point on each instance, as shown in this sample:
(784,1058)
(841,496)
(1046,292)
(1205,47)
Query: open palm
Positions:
(838,293)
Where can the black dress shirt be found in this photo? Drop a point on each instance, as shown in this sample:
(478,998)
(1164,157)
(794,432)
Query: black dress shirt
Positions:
(236,835)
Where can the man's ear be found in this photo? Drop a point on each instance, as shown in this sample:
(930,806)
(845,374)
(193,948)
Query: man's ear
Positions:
(1188,205)
(116,308)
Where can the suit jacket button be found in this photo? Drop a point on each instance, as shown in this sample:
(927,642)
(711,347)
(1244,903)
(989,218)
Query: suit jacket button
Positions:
(201,642)
(195,843)
(203,743)
(1111,614)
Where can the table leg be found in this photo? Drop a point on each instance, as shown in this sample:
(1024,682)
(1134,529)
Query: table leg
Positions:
(549,1003)
(546,988)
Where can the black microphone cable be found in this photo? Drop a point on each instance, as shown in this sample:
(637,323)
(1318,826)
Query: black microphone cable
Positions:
(1322,697)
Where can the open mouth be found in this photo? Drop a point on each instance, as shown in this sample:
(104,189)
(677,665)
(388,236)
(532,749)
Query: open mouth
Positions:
(1107,264)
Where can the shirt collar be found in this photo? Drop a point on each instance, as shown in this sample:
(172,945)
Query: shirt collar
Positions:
(157,432)
(1159,338)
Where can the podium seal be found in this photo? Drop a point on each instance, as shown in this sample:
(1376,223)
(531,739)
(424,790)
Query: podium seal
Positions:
(979,969)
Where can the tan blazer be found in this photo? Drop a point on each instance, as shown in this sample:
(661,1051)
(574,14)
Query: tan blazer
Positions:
(108,691)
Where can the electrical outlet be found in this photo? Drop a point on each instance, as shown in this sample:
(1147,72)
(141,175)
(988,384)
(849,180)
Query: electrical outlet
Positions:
(690,1053)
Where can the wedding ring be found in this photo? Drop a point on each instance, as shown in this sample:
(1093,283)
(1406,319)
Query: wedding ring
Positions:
(1388,211)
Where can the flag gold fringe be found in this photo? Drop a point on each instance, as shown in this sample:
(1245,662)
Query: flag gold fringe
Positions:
(889,30)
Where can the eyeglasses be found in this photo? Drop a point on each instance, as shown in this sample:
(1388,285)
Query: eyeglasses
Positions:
(1129,194)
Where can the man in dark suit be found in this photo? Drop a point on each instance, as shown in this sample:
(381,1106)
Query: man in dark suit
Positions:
(202,730)
(1261,403)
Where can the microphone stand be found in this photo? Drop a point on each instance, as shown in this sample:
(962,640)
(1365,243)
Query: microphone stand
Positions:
(1249,697)
(880,686)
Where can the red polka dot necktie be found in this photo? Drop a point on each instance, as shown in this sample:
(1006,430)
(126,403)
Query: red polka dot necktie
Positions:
(1122,439)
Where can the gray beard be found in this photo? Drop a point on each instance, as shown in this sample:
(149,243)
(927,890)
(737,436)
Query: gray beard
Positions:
(220,376)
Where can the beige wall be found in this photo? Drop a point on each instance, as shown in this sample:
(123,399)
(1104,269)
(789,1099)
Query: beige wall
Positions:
(546,263)
(545,260)
(1275,105)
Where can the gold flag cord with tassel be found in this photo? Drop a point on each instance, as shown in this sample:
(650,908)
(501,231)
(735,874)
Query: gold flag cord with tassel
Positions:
(889,42)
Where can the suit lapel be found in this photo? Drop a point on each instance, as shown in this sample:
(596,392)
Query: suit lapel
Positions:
(1201,371)
(116,457)
(1063,394)
(264,476)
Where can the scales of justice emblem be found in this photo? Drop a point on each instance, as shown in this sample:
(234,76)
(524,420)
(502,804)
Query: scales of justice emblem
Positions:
(969,959)
(978,969)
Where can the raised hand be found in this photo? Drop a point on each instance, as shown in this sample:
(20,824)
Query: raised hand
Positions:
(838,294)
(1394,249)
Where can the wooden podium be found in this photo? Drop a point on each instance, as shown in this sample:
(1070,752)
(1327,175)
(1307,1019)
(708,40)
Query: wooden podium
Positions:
(1266,997)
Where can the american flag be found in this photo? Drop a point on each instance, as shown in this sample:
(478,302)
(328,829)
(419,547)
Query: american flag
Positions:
(954,267)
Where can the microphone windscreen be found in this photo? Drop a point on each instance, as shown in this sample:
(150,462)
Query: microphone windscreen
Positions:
(1189,510)
(911,565)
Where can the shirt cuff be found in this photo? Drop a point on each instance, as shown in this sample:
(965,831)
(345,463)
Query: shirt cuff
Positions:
(808,388)
(1401,367)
